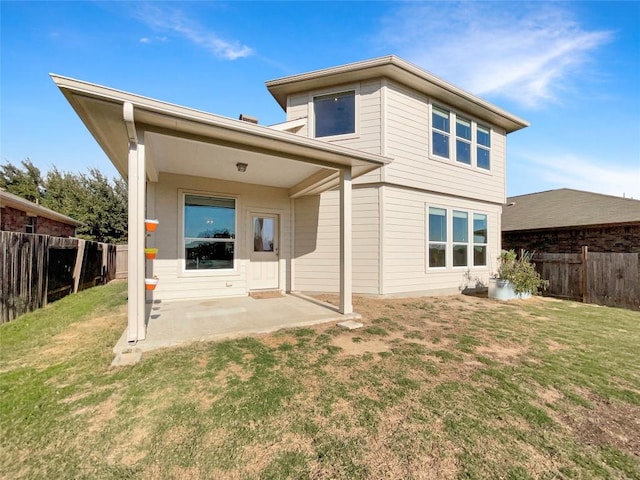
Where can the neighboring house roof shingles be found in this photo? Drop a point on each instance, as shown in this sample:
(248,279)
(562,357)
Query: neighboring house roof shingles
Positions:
(566,207)
(10,200)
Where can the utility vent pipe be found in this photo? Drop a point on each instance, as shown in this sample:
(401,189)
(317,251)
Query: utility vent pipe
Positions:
(247,118)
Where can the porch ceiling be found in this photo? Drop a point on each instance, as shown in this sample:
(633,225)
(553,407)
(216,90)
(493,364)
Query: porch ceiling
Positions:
(191,157)
(190,142)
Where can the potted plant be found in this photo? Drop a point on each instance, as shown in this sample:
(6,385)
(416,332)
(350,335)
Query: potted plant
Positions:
(151,283)
(516,278)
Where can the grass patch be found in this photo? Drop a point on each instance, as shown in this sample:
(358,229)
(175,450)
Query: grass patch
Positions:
(536,389)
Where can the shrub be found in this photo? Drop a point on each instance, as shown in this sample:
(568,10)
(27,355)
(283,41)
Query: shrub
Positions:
(521,272)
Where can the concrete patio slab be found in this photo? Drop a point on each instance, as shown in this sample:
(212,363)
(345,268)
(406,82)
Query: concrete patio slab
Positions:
(181,322)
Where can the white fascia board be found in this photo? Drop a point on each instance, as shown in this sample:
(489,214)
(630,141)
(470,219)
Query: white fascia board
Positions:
(190,121)
(397,69)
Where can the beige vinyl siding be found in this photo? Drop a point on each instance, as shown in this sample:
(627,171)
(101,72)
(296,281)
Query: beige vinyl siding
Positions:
(316,250)
(368,116)
(298,107)
(405,244)
(407,142)
(165,200)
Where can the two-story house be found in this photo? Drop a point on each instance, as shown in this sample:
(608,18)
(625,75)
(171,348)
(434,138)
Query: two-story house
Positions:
(383,180)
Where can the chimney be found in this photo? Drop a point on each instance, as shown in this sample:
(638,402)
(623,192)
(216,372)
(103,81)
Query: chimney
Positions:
(247,118)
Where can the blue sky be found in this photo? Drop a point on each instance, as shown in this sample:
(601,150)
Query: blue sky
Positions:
(571,69)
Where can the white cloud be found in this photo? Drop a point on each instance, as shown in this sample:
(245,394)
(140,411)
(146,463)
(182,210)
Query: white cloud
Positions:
(145,40)
(572,171)
(526,52)
(175,22)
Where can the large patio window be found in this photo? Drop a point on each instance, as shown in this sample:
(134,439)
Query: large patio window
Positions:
(209,232)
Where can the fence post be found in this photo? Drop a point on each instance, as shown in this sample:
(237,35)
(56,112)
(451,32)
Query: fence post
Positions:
(585,275)
(77,270)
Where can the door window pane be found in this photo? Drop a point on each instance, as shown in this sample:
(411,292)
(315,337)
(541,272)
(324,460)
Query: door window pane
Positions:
(263,234)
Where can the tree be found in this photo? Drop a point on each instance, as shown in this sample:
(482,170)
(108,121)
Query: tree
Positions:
(105,207)
(95,200)
(25,182)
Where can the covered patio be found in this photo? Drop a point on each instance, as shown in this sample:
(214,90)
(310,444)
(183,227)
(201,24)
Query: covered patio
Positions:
(169,152)
(181,322)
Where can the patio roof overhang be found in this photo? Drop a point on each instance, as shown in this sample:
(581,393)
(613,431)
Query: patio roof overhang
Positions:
(185,141)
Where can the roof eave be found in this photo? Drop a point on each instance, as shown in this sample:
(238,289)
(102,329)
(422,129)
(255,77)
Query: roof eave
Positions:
(29,207)
(399,70)
(190,121)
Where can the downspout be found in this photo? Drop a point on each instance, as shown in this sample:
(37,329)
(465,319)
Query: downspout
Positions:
(127,114)
(135,288)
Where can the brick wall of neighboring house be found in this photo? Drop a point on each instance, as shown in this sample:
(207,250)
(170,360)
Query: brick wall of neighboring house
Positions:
(46,226)
(15,220)
(611,238)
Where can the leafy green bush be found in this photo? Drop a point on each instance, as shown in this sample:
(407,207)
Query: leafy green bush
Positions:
(521,272)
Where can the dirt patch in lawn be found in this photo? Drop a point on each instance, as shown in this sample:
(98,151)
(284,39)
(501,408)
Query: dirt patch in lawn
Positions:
(75,337)
(505,353)
(350,347)
(609,423)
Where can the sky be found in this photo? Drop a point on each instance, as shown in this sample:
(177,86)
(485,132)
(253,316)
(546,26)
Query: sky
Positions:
(571,69)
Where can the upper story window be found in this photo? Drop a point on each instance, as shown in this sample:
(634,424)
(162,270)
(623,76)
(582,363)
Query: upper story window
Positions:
(483,138)
(471,144)
(440,134)
(335,114)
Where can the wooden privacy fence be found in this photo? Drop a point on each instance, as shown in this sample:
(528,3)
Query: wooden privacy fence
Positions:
(122,261)
(611,279)
(36,269)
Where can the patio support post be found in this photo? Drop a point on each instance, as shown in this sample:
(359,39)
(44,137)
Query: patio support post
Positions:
(136,329)
(346,306)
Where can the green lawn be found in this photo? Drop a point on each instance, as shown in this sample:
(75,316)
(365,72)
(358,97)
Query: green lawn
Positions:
(442,388)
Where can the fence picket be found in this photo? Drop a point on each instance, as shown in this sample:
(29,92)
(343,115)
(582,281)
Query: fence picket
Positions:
(28,277)
(611,279)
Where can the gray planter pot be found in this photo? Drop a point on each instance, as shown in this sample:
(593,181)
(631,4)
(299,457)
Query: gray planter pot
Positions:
(500,289)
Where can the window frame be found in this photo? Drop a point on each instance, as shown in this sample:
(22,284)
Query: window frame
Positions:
(475,244)
(31,224)
(453,138)
(212,272)
(355,88)
(437,242)
(450,243)
(455,243)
